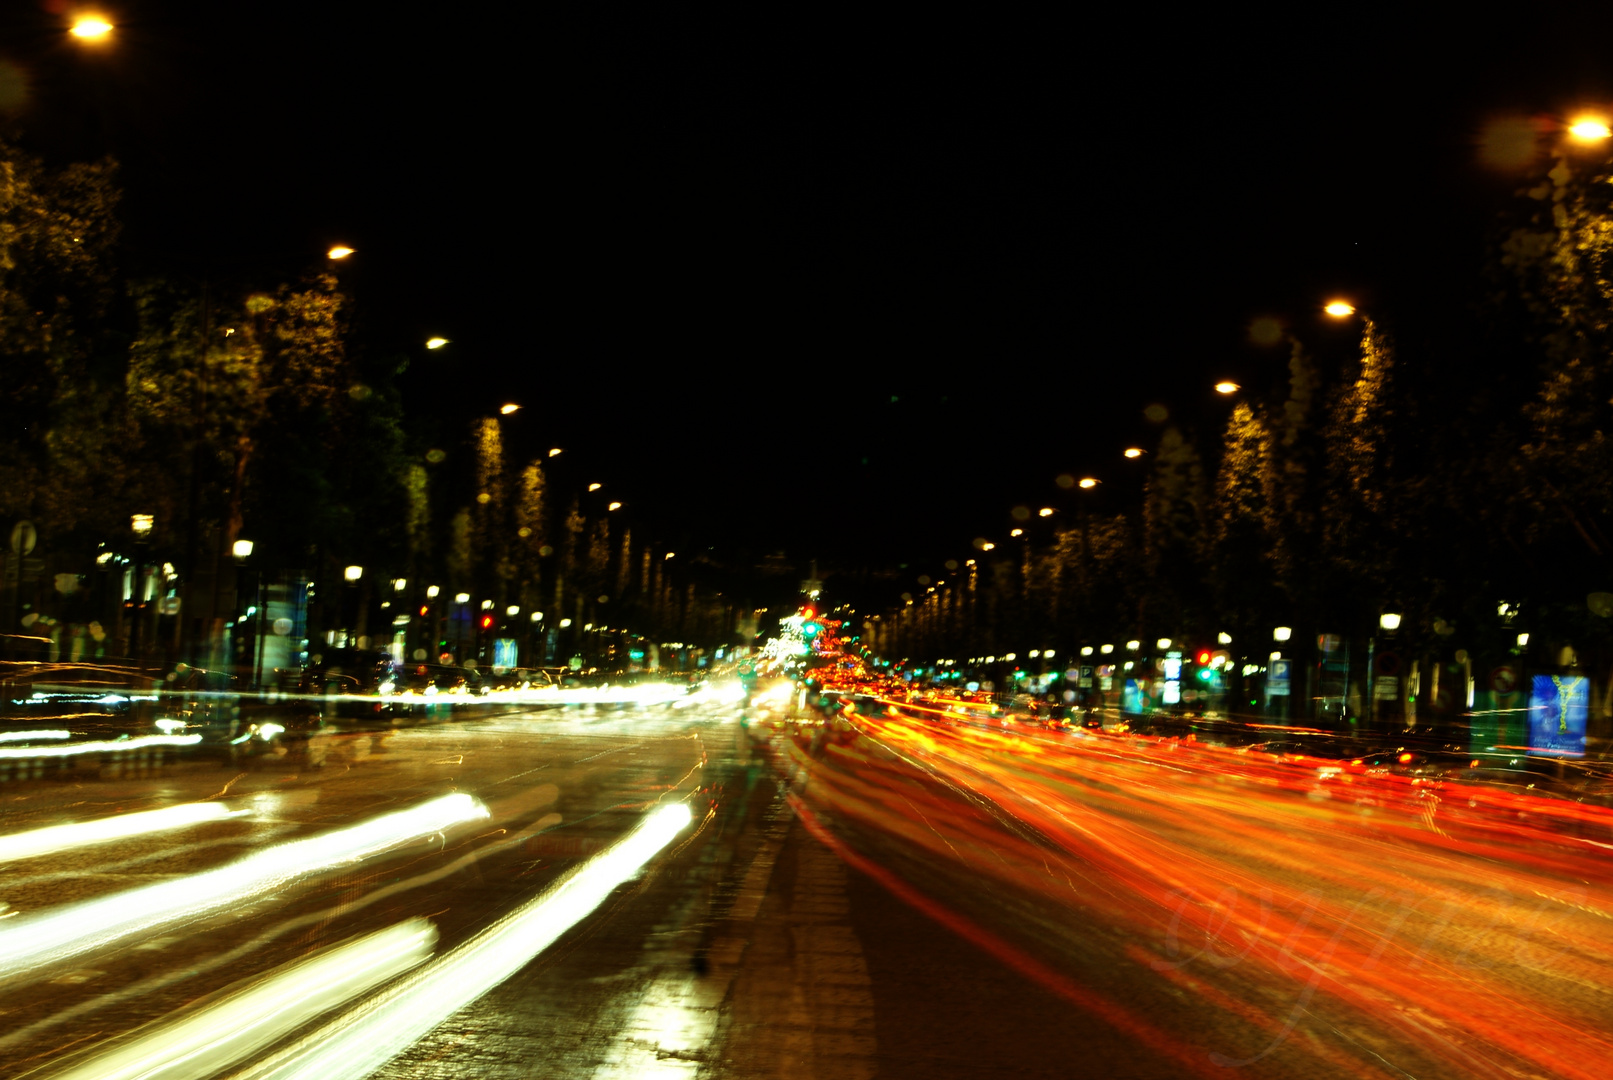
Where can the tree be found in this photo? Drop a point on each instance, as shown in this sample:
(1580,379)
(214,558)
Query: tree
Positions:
(61,424)
(1240,547)
(1173,533)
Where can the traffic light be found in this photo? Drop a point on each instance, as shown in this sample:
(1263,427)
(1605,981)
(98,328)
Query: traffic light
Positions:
(424,609)
(810,629)
(487,622)
(1206,674)
(1203,657)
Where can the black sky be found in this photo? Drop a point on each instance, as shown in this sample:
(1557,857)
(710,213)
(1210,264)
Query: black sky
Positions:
(737,253)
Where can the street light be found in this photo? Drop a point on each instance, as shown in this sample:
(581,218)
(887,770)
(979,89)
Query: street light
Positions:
(513,610)
(142,524)
(554,451)
(1223,638)
(90,28)
(1282,633)
(462,598)
(1340,309)
(436,342)
(1135,451)
(431,592)
(353,573)
(1133,645)
(241,549)
(537,616)
(614,506)
(1163,643)
(340,251)
(1086,483)
(987,546)
(595,487)
(1046,511)
(1587,129)
(1226,387)
(1016,532)
(1389,621)
(670,554)
(510,408)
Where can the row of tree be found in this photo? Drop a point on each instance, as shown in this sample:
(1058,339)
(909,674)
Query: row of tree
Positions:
(227,408)
(1473,495)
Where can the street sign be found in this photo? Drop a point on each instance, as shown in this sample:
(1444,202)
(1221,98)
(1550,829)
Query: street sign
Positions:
(23,538)
(1504,679)
(1279,678)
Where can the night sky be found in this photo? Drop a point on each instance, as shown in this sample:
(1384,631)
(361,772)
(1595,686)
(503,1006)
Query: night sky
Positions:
(726,258)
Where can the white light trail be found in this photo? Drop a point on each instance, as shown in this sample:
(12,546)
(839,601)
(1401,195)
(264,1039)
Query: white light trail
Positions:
(55,838)
(30,736)
(215,1037)
(359,1042)
(56,934)
(101,746)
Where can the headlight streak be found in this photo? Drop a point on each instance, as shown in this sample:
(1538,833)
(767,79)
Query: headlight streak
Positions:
(57,838)
(100,746)
(220,1034)
(1322,854)
(346,908)
(367,1037)
(56,934)
(30,736)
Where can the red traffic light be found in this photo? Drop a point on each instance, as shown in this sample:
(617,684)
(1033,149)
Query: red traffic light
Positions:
(1203,657)
(424,609)
(487,621)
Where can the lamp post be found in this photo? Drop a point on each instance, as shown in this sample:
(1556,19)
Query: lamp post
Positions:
(142,526)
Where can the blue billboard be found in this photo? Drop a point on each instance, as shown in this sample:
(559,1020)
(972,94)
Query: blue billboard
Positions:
(1558,706)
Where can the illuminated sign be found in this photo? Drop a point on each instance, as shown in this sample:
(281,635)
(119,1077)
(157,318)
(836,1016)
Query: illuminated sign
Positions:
(1558,706)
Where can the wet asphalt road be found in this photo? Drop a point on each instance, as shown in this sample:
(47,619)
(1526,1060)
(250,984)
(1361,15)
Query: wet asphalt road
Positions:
(747,948)
(868,896)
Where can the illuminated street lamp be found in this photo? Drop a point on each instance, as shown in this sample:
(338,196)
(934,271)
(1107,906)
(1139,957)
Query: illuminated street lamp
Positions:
(987,546)
(1587,129)
(1133,645)
(1223,638)
(513,610)
(1086,483)
(353,573)
(142,524)
(670,554)
(1135,451)
(241,549)
(1016,532)
(1340,309)
(1106,649)
(1226,387)
(614,506)
(90,28)
(1163,643)
(340,251)
(510,408)
(487,605)
(554,451)
(462,598)
(1389,621)
(432,591)
(436,342)
(1046,511)
(537,616)
(595,487)
(1282,633)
